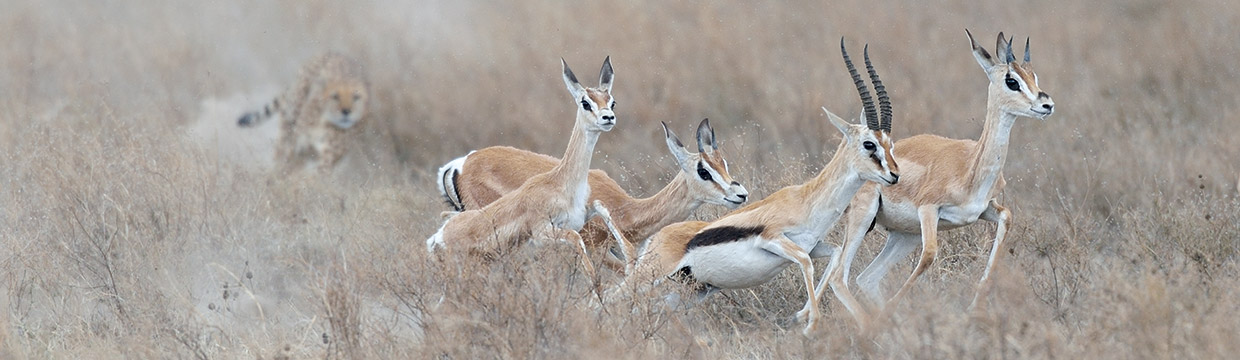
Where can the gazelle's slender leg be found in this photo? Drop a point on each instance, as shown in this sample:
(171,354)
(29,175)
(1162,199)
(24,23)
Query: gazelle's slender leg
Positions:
(574,238)
(786,248)
(820,251)
(629,258)
(1001,216)
(929,216)
(860,216)
(898,246)
(551,233)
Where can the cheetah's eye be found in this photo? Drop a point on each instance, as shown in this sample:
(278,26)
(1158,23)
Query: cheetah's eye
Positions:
(356,96)
(335,96)
(585,105)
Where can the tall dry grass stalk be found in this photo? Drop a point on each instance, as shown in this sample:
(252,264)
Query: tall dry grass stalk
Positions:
(137,222)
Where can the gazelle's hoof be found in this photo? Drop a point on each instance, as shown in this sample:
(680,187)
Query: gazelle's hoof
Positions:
(809,317)
(803,315)
(810,328)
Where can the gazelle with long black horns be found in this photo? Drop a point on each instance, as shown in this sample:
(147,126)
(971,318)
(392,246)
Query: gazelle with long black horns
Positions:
(551,205)
(947,183)
(480,177)
(751,245)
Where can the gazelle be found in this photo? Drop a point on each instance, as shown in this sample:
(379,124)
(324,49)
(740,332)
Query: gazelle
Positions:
(551,205)
(480,177)
(751,245)
(947,183)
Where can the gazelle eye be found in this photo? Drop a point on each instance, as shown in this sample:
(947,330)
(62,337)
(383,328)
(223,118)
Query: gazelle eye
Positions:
(585,105)
(1012,84)
(702,173)
(613,105)
(869,145)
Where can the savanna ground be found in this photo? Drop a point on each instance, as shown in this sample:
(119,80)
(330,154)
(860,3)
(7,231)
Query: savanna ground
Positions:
(137,222)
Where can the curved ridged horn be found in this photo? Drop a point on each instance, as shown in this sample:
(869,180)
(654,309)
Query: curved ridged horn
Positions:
(1026,50)
(884,103)
(867,103)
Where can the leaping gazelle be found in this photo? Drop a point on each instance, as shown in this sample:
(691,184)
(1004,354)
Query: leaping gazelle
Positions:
(551,205)
(751,245)
(947,183)
(480,177)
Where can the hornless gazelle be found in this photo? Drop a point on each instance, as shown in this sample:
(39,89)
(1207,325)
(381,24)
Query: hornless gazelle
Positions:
(751,245)
(479,178)
(947,183)
(551,205)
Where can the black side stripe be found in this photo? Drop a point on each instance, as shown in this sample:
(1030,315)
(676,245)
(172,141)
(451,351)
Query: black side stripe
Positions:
(722,235)
(685,277)
(875,220)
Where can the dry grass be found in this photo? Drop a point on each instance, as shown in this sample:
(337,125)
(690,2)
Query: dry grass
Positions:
(136,222)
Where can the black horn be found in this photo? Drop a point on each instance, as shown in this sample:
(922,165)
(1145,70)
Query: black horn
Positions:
(884,103)
(1026,50)
(867,103)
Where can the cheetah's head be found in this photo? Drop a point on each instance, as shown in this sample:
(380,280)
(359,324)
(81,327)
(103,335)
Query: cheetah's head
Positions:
(344,103)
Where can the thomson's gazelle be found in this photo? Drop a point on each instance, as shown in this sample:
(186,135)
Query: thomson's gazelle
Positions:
(751,245)
(947,183)
(480,177)
(551,205)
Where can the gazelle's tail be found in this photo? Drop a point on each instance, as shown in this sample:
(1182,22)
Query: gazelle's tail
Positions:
(447,182)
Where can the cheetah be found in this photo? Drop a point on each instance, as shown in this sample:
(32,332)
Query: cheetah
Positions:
(329,98)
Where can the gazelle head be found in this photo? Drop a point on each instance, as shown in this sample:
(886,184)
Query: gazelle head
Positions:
(1013,86)
(594,105)
(707,171)
(867,148)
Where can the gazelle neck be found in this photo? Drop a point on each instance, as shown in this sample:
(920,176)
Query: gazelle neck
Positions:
(643,217)
(574,166)
(991,150)
(830,192)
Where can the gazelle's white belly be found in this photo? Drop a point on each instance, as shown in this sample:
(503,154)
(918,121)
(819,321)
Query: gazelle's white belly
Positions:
(951,217)
(904,218)
(733,265)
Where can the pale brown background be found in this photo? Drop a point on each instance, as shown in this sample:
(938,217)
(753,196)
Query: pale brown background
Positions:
(136,221)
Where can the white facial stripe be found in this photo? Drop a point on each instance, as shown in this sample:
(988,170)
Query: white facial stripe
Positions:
(879,153)
(714,175)
(1024,87)
(588,100)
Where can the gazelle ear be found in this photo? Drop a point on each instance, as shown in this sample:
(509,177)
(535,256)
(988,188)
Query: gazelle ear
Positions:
(839,123)
(606,75)
(570,81)
(1003,48)
(676,148)
(706,138)
(979,53)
